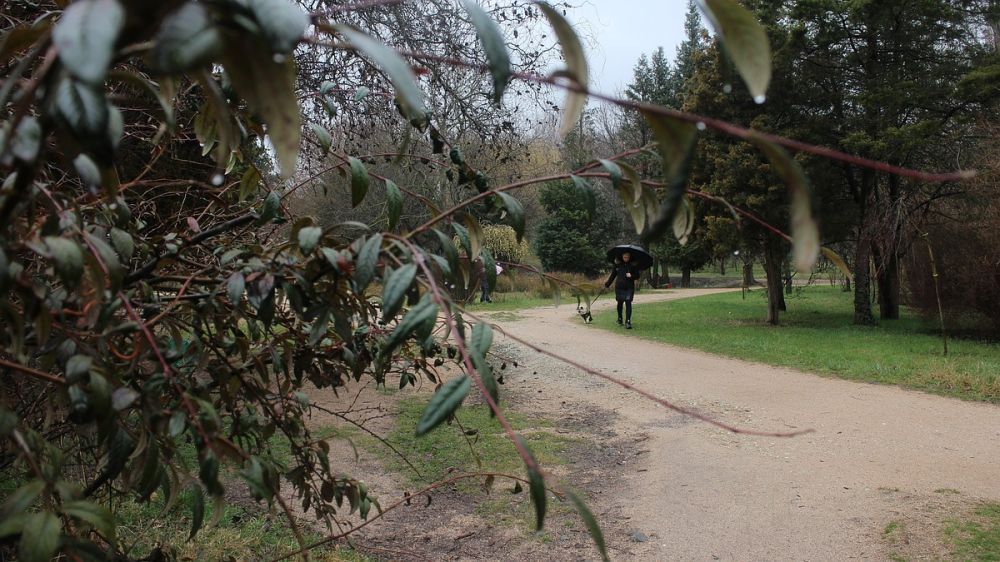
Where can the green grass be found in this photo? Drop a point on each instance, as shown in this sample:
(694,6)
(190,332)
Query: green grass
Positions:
(977,538)
(518,301)
(817,334)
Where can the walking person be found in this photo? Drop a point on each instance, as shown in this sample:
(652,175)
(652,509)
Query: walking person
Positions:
(624,274)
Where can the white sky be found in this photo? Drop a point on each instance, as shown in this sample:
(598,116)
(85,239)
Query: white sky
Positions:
(621,30)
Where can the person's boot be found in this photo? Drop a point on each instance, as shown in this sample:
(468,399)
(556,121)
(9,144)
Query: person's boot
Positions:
(619,320)
(628,324)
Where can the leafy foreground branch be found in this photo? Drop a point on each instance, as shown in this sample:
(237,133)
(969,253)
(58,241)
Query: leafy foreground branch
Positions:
(145,312)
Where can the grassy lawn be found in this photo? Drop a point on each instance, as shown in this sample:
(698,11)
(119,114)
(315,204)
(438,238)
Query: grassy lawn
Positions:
(518,301)
(979,537)
(817,335)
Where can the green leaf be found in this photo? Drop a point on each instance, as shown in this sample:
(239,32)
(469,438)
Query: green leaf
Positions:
(463,238)
(21,499)
(364,269)
(515,214)
(393,203)
(86,36)
(586,192)
(675,140)
(177,422)
(493,44)
(479,346)
(425,310)
(475,235)
(269,209)
(444,403)
(109,258)
(308,238)
(448,247)
(745,40)
(281,21)
(683,221)
(83,109)
(805,233)
(576,66)
(235,287)
(187,39)
(592,527)
(268,86)
(396,285)
(359,181)
(197,510)
(21,37)
(27,140)
(77,366)
(536,485)
(410,97)
(99,517)
(319,327)
(123,243)
(323,136)
(613,170)
(40,537)
(123,397)
(68,259)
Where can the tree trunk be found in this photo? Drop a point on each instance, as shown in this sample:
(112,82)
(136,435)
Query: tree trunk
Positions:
(772,268)
(863,253)
(887,279)
(787,269)
(722,267)
(685,277)
(655,273)
(748,274)
(666,274)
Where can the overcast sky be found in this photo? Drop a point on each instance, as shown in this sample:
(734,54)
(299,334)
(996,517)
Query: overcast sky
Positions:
(621,30)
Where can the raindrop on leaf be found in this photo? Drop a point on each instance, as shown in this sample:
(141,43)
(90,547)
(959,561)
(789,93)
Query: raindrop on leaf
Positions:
(217,180)
(760,99)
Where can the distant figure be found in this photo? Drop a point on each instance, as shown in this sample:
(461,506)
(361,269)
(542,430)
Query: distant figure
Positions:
(626,274)
(484,284)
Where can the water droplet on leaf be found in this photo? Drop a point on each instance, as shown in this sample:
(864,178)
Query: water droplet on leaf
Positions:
(279,58)
(727,89)
(217,179)
(701,125)
(760,99)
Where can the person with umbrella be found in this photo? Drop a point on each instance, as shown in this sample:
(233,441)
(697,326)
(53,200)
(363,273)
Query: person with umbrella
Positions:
(629,261)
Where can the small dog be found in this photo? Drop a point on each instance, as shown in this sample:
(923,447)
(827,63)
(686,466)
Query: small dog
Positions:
(584,313)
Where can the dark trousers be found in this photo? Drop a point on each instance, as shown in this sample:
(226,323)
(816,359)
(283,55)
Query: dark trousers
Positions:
(628,310)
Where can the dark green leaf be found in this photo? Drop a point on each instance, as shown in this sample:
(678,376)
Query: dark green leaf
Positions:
(515,213)
(68,259)
(745,41)
(269,209)
(675,140)
(683,221)
(479,346)
(83,109)
(576,66)
(359,181)
(187,39)
(475,236)
(86,36)
(444,403)
(40,537)
(396,286)
(592,527)
(123,397)
(109,258)
(177,422)
(27,140)
(536,485)
(448,247)
(424,311)
(4,272)
(323,136)
(410,97)
(197,510)
(282,22)
(365,264)
(493,44)
(308,238)
(21,499)
(268,86)
(319,327)
(95,515)
(805,233)
(393,203)
(613,170)
(463,238)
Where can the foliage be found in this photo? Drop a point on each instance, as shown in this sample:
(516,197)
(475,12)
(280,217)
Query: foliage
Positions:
(576,233)
(817,335)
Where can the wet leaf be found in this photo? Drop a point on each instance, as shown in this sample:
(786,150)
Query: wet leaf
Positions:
(90,174)
(269,209)
(68,259)
(494,46)
(27,140)
(197,510)
(95,515)
(365,264)
(282,22)
(745,42)
(576,66)
(515,214)
(235,287)
(83,109)
(86,36)
(123,243)
(40,537)
(536,485)
(424,311)
(308,237)
(323,136)
(444,403)
(805,232)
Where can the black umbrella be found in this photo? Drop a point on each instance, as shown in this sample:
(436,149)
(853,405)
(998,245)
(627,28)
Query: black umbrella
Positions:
(638,255)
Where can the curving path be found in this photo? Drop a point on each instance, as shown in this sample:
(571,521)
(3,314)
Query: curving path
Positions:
(878,454)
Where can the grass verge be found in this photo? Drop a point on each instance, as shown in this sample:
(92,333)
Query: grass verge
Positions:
(816,334)
(977,538)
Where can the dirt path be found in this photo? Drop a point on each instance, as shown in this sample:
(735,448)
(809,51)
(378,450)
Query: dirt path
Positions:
(879,455)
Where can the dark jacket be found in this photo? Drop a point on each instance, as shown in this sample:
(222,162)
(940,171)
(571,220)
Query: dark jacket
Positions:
(624,285)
